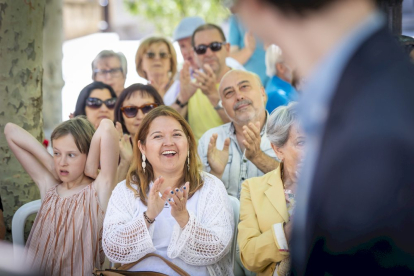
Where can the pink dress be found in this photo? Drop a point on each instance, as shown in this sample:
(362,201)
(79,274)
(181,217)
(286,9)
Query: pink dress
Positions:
(66,235)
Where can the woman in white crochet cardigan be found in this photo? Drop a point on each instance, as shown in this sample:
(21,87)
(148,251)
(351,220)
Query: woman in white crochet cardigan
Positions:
(168,206)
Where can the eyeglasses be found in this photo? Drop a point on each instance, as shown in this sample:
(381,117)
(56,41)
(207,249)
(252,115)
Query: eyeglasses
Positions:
(131,111)
(162,55)
(96,103)
(214,46)
(114,72)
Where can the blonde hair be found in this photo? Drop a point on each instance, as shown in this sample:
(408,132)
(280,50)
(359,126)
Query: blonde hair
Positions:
(143,48)
(136,174)
(81,130)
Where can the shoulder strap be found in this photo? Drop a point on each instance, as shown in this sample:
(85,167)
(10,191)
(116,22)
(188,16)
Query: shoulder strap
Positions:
(170,264)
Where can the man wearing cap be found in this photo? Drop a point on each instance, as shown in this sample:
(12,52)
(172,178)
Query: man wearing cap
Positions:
(182,35)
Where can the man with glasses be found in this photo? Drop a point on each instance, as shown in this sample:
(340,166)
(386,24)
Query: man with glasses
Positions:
(110,68)
(199,99)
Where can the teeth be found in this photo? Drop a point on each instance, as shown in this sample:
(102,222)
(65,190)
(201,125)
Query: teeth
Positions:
(169,152)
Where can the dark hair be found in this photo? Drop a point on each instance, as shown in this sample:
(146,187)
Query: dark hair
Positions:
(81,130)
(84,94)
(205,27)
(142,89)
(299,7)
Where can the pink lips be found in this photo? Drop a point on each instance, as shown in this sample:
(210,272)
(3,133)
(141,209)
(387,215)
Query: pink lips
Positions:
(63,173)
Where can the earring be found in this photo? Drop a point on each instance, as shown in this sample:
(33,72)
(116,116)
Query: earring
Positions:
(143,162)
(188,160)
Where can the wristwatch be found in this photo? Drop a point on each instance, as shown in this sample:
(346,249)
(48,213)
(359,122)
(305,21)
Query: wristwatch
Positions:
(218,106)
(180,104)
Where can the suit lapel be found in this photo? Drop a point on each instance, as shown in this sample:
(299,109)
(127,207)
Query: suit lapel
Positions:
(276,194)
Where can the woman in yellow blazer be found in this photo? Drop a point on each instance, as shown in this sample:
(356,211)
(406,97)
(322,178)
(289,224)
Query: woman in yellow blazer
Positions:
(267,202)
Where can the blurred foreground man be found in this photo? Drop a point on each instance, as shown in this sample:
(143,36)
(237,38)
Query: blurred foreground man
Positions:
(354,213)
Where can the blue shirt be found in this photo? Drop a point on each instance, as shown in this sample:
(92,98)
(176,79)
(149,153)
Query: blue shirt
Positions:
(256,63)
(315,104)
(279,92)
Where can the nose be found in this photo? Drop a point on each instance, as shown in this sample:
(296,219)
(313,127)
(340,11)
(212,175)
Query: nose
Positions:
(239,95)
(140,114)
(63,161)
(168,141)
(103,108)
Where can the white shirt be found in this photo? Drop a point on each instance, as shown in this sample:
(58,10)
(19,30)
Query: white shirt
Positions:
(161,239)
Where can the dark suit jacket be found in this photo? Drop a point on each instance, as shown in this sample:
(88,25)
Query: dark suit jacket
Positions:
(361,206)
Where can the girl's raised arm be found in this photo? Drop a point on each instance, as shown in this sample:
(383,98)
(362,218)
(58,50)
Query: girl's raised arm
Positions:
(104,150)
(33,156)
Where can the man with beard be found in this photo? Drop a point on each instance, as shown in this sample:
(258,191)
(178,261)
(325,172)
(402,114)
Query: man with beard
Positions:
(354,213)
(245,150)
(199,101)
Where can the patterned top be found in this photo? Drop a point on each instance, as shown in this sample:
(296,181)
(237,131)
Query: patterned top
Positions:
(66,235)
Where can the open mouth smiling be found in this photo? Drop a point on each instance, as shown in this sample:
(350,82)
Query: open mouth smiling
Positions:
(169,153)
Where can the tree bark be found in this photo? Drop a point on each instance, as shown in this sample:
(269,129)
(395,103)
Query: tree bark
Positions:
(52,64)
(21,43)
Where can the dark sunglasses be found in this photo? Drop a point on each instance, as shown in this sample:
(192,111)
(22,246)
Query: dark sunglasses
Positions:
(162,55)
(214,46)
(131,111)
(97,103)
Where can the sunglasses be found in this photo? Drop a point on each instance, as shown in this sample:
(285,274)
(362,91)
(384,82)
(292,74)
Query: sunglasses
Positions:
(97,103)
(132,111)
(214,46)
(162,55)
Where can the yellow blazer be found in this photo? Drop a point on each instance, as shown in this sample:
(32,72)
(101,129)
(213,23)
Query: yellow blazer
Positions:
(262,204)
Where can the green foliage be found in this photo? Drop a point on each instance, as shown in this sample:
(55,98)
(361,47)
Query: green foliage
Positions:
(166,14)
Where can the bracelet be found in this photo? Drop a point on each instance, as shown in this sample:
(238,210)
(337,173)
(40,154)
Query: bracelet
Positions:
(180,104)
(150,221)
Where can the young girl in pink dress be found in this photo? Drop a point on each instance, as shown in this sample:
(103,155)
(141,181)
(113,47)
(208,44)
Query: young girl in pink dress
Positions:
(66,236)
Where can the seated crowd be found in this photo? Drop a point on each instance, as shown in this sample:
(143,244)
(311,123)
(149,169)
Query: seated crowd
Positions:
(145,175)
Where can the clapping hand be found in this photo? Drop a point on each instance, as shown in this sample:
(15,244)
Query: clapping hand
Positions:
(155,202)
(125,147)
(252,140)
(187,88)
(206,81)
(217,159)
(178,202)
(250,41)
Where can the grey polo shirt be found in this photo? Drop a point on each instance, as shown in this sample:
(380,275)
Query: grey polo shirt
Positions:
(238,167)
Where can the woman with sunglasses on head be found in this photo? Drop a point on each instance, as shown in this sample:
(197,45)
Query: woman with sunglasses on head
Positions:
(156,61)
(167,205)
(66,236)
(131,107)
(96,101)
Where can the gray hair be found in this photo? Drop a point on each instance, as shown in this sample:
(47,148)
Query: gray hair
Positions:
(107,54)
(280,122)
(273,56)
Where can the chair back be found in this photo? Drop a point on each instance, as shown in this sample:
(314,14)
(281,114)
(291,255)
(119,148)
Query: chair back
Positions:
(19,220)
(235,203)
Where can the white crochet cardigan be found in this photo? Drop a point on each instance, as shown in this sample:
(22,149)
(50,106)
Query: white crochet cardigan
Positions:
(204,241)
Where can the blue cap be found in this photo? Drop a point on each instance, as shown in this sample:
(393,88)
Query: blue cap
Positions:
(187,26)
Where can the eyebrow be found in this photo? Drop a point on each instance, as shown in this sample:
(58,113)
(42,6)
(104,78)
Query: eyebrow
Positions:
(155,132)
(178,130)
(242,82)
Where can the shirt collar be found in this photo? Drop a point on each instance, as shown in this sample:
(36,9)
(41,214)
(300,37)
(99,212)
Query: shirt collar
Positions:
(321,86)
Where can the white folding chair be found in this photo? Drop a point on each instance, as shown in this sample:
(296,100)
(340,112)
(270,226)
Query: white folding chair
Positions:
(235,203)
(19,220)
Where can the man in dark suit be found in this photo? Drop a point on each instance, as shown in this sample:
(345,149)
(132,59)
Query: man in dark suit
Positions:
(355,204)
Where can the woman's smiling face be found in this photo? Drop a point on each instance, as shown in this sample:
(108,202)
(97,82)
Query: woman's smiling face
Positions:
(166,146)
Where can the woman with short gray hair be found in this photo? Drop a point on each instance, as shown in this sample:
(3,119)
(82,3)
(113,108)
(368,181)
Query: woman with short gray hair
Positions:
(110,68)
(263,239)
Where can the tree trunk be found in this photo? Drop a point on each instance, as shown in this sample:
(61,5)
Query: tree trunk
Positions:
(52,64)
(21,42)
